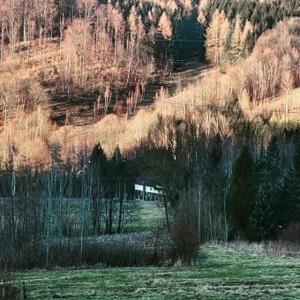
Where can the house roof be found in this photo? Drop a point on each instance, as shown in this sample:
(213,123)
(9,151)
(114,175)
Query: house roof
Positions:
(146,180)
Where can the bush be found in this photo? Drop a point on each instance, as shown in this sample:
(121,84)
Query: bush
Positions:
(185,233)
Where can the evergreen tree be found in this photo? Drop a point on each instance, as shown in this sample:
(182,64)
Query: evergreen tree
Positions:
(235,47)
(288,209)
(245,43)
(98,161)
(242,192)
(201,11)
(224,36)
(165,26)
(216,36)
(263,217)
(98,173)
(212,38)
(117,172)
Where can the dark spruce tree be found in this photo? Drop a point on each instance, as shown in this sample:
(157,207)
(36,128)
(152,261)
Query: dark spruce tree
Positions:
(118,183)
(263,221)
(288,209)
(242,193)
(98,168)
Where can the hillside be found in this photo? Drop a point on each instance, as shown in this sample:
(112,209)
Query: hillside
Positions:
(92,69)
(149,149)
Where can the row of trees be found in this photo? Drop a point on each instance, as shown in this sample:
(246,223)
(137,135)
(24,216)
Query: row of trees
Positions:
(226,43)
(26,20)
(273,66)
(233,27)
(271,69)
(41,209)
(242,185)
(263,196)
(99,52)
(240,182)
(107,49)
(262,15)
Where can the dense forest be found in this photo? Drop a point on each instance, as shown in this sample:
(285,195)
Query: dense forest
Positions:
(223,145)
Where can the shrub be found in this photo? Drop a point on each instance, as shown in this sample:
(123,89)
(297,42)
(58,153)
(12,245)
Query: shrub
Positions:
(184,232)
(138,249)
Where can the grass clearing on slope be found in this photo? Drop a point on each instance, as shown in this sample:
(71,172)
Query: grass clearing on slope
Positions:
(146,215)
(139,216)
(224,274)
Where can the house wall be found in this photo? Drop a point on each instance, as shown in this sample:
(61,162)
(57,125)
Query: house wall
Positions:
(147,193)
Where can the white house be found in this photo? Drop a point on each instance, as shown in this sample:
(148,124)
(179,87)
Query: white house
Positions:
(147,189)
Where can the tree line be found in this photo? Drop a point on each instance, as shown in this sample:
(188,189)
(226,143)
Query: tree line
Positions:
(40,210)
(224,177)
(243,181)
(233,27)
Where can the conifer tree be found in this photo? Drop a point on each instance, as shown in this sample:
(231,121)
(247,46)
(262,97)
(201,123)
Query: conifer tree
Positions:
(242,192)
(98,160)
(245,42)
(288,209)
(98,172)
(263,217)
(165,26)
(224,34)
(201,11)
(235,46)
(216,36)
(212,37)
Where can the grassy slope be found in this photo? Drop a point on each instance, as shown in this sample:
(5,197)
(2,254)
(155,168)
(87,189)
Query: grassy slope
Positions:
(277,106)
(139,215)
(224,274)
(147,216)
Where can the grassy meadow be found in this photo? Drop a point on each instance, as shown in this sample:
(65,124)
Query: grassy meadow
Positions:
(140,216)
(221,273)
(145,216)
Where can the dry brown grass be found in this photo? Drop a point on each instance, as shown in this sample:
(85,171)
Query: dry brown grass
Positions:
(129,132)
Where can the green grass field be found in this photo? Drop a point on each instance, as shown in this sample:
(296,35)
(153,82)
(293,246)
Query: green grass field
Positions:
(222,274)
(139,216)
(147,216)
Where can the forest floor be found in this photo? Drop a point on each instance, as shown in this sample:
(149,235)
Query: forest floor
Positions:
(221,273)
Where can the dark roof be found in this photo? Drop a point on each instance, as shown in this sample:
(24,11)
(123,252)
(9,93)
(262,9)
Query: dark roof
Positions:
(147,181)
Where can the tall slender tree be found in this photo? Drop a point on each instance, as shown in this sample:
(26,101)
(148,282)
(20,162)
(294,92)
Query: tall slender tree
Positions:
(98,174)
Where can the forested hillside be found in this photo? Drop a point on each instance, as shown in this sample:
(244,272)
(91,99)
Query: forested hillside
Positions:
(202,97)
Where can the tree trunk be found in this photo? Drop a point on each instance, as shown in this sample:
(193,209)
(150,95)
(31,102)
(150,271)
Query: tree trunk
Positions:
(166,213)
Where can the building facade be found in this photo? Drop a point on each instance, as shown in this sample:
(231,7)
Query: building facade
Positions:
(147,189)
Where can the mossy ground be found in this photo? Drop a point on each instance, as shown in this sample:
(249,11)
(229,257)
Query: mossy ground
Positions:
(222,274)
